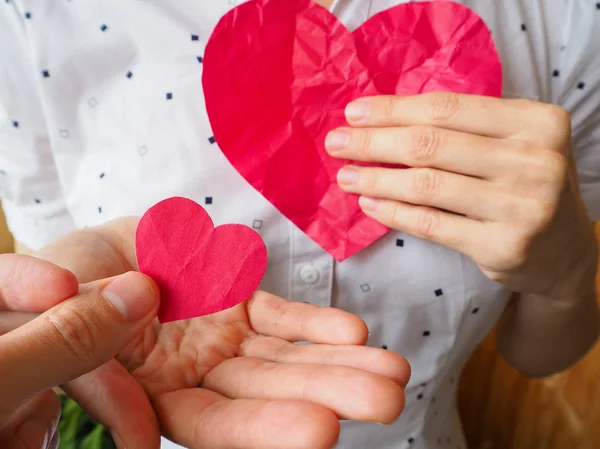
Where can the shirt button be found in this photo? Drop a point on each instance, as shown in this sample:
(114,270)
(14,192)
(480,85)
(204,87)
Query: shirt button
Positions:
(309,274)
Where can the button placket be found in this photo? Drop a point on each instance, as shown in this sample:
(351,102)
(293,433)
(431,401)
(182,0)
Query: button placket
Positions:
(312,271)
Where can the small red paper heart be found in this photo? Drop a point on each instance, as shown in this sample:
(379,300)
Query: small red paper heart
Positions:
(278,75)
(199,269)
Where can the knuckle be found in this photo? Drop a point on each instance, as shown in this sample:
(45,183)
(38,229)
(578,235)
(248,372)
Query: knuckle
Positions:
(556,165)
(425,142)
(549,170)
(444,105)
(428,223)
(389,108)
(369,181)
(509,255)
(425,183)
(75,331)
(365,142)
(557,117)
(395,216)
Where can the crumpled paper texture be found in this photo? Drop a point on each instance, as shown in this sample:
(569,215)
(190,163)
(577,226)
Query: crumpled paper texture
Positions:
(278,75)
(199,269)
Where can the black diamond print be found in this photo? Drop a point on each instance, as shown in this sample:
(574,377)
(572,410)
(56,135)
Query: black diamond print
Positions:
(426,333)
(129,74)
(523,27)
(475,310)
(400,242)
(384,347)
(195,37)
(103,27)
(581,85)
(46,74)
(556,73)
(208,200)
(211,140)
(365,288)
(439,292)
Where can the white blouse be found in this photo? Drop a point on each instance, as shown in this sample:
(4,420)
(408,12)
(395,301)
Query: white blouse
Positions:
(102,115)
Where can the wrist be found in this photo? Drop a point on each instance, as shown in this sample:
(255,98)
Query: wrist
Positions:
(578,284)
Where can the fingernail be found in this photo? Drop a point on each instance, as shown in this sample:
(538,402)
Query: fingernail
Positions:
(368,203)
(337,141)
(132,295)
(348,176)
(358,111)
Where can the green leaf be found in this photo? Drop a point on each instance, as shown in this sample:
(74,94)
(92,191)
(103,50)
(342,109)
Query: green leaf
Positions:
(79,431)
(68,424)
(93,440)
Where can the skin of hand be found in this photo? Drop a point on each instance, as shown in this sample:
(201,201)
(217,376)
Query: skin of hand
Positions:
(234,379)
(494,179)
(88,326)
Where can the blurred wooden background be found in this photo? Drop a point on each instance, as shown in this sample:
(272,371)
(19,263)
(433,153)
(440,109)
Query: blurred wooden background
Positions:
(503,410)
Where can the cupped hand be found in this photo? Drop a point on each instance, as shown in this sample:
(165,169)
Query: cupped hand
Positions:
(492,178)
(235,379)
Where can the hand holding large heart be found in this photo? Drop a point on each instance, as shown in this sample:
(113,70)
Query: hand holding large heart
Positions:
(278,75)
(200,269)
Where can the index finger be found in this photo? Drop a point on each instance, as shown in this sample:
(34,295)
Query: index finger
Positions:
(28,284)
(276,317)
(475,114)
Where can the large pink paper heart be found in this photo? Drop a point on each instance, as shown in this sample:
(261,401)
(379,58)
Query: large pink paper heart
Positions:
(200,269)
(278,75)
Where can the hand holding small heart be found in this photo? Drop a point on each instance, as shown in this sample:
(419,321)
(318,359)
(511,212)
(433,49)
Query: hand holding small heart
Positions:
(232,379)
(491,178)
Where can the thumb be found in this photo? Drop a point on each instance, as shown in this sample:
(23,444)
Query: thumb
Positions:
(74,337)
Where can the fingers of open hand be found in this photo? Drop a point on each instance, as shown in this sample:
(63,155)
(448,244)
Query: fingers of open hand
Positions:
(378,361)
(271,315)
(200,419)
(349,392)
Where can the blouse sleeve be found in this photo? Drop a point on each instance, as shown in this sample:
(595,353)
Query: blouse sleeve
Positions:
(30,188)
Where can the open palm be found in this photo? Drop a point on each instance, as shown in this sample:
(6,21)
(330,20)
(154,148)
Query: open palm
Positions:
(235,379)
